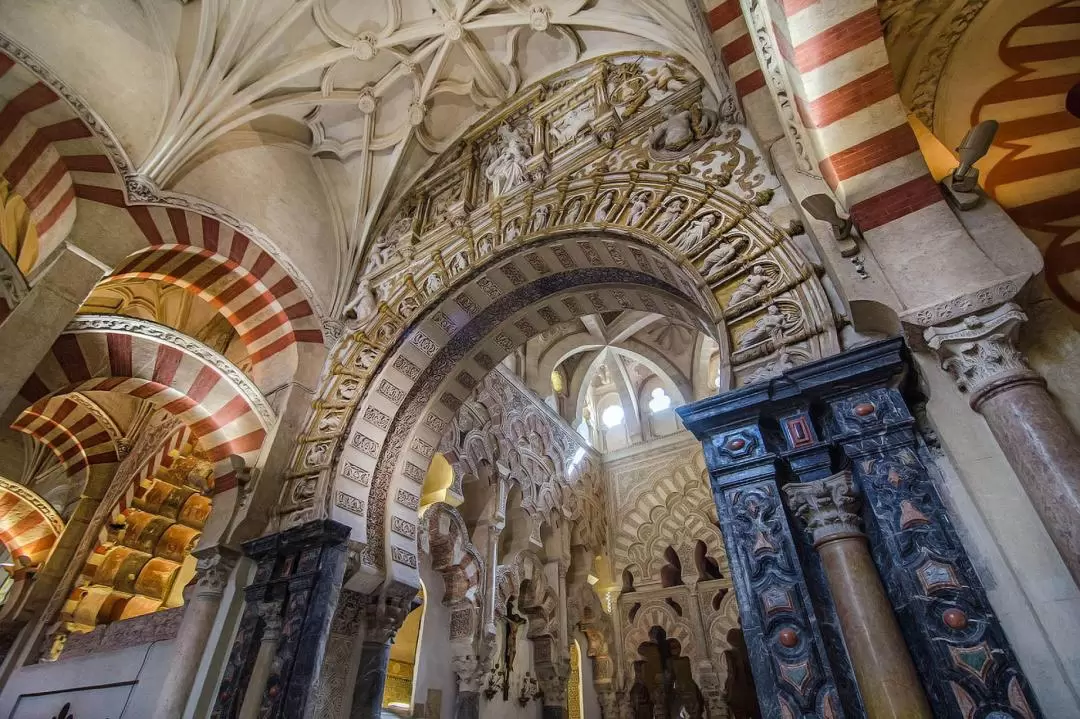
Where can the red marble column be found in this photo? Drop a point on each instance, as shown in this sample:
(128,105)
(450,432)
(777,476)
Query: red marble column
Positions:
(886,675)
(981,354)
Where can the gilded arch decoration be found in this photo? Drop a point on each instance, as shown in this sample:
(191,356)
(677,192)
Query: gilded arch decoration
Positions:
(509,234)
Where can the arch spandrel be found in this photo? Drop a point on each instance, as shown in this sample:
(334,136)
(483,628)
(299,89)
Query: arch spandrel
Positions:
(462,273)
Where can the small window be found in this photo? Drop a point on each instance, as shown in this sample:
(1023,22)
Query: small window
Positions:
(660,400)
(612,416)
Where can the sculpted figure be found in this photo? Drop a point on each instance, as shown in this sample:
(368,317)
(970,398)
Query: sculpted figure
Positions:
(698,230)
(512,231)
(671,213)
(367,357)
(771,324)
(777,367)
(460,262)
(507,170)
(363,305)
(681,128)
(539,218)
(754,283)
(407,306)
(385,250)
(573,211)
(433,284)
(637,210)
(484,248)
(347,389)
(723,253)
(604,207)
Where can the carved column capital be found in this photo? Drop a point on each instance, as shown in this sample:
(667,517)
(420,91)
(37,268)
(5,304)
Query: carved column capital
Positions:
(213,568)
(381,618)
(469,671)
(980,352)
(270,613)
(829,507)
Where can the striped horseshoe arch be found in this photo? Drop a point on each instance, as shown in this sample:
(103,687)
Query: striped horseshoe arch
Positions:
(29,526)
(75,435)
(223,409)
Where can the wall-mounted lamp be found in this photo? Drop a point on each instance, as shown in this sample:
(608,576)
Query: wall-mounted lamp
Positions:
(962,186)
(822,207)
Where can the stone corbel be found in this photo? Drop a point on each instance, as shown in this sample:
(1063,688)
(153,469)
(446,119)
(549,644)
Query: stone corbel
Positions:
(980,352)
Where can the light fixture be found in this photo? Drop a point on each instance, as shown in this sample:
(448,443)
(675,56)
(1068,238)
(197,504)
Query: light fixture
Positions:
(962,186)
(612,416)
(822,207)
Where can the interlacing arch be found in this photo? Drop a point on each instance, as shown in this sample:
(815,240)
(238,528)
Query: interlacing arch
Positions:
(593,230)
(638,629)
(221,406)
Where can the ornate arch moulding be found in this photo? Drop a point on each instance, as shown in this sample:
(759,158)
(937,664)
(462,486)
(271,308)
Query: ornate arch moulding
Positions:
(139,190)
(475,261)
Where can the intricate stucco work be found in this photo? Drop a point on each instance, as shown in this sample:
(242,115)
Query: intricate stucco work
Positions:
(512,216)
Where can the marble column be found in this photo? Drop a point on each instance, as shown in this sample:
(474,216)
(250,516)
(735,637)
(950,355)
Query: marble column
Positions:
(886,676)
(469,673)
(299,572)
(202,602)
(380,621)
(980,352)
(270,613)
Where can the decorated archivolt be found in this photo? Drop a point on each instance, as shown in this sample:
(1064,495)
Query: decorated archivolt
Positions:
(611,217)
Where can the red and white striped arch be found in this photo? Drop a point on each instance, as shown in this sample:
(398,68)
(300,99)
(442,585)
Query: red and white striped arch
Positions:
(732,38)
(54,160)
(29,527)
(70,430)
(35,128)
(226,416)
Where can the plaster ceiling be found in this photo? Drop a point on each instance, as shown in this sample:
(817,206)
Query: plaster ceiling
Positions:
(384,85)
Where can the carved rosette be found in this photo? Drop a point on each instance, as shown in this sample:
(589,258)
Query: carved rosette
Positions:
(829,507)
(980,352)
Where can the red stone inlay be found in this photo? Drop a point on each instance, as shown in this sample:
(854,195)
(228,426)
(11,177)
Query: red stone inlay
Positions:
(788,637)
(864,408)
(954,618)
(736,444)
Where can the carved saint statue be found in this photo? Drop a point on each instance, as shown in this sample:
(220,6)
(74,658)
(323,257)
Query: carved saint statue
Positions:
(366,358)
(604,207)
(539,218)
(722,254)
(483,249)
(671,213)
(682,128)
(754,283)
(363,304)
(408,306)
(384,251)
(698,230)
(573,211)
(770,324)
(512,231)
(434,283)
(777,367)
(639,206)
(507,169)
(460,262)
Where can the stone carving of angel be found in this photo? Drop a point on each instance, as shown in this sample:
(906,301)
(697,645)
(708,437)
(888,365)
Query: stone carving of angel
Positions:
(483,249)
(604,207)
(507,170)
(512,231)
(770,324)
(433,284)
(363,305)
(539,218)
(754,283)
(638,208)
(777,367)
(384,251)
(671,213)
(698,230)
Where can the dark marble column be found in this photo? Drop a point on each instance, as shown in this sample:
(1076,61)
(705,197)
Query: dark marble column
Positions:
(791,667)
(381,618)
(854,403)
(980,352)
(960,649)
(470,674)
(300,571)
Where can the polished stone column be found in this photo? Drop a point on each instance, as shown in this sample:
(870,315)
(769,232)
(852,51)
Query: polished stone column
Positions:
(299,572)
(380,620)
(793,672)
(203,600)
(469,673)
(270,613)
(980,352)
(883,668)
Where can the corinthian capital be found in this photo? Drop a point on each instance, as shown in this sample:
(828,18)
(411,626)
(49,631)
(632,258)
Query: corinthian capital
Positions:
(980,351)
(829,507)
(213,568)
